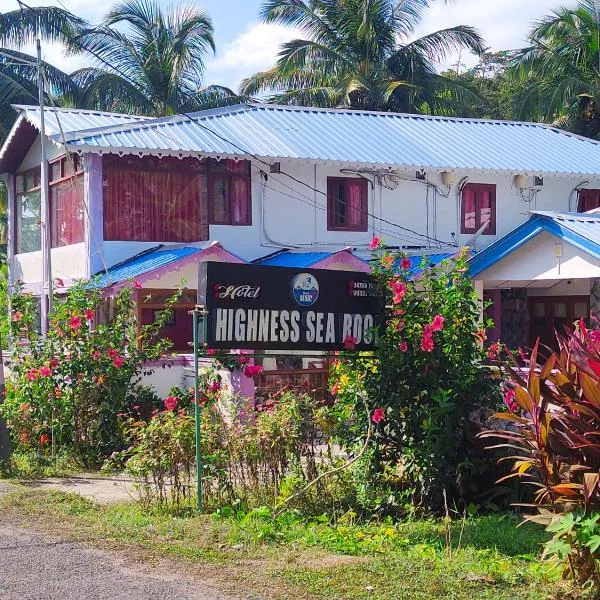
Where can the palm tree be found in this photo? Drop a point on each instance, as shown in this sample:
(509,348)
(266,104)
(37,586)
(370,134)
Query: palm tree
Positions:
(18,71)
(361,54)
(157,60)
(559,71)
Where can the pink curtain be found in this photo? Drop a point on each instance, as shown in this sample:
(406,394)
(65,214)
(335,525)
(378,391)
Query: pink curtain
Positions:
(239,201)
(354,210)
(67,222)
(469,210)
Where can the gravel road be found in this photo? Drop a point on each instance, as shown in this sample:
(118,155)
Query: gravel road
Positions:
(40,567)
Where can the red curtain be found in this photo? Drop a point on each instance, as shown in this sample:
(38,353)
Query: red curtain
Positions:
(588,200)
(66,210)
(355,212)
(469,210)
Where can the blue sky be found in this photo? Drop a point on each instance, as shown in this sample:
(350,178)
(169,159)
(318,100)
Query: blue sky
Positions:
(244,45)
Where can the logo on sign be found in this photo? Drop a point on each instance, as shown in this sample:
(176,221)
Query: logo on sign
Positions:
(305,289)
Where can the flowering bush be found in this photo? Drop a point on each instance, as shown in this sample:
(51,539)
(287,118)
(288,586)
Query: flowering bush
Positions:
(552,438)
(426,375)
(71,385)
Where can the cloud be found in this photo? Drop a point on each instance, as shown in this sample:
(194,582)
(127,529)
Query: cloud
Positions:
(253,50)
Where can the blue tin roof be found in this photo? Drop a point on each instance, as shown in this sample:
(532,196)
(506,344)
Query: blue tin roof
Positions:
(142,263)
(285,258)
(376,139)
(582,230)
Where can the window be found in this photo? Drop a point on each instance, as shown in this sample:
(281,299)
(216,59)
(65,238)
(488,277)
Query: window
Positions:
(347,204)
(66,201)
(230,192)
(478,207)
(588,200)
(154,200)
(28,218)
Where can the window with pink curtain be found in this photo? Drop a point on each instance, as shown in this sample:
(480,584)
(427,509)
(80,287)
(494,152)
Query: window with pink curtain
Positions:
(67,212)
(230,194)
(154,200)
(478,207)
(589,199)
(347,204)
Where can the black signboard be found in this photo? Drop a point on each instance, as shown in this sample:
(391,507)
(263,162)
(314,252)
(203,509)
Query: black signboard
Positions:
(281,308)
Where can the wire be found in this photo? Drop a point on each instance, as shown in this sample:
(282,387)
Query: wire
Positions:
(228,141)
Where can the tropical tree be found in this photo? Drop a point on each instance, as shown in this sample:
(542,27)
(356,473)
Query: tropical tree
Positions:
(18,70)
(157,60)
(362,54)
(559,71)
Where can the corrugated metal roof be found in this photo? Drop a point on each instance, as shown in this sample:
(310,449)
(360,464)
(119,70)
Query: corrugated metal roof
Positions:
(358,138)
(143,263)
(582,230)
(292,259)
(74,119)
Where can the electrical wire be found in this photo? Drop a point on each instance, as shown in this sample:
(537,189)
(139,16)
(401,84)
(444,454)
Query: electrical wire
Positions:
(230,142)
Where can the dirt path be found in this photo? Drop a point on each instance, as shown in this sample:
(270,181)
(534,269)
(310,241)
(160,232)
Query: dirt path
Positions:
(41,567)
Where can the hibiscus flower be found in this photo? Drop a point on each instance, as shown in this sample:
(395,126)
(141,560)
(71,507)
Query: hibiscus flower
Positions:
(118,361)
(75,322)
(427,344)
(350,342)
(44,439)
(170,402)
(45,371)
(17,316)
(375,243)
(378,415)
(405,263)
(403,346)
(438,323)
(89,314)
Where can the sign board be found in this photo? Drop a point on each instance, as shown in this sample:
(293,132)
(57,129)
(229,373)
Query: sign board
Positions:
(280,308)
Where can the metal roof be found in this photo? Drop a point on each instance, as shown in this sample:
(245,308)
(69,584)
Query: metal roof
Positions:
(285,258)
(144,262)
(358,138)
(582,230)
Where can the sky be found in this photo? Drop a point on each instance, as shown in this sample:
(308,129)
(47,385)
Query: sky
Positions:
(245,45)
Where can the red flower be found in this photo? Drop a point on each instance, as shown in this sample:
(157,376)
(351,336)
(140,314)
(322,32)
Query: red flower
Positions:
(375,243)
(481,336)
(44,439)
(112,353)
(405,263)
(493,351)
(335,389)
(171,402)
(509,400)
(243,360)
(350,342)
(403,346)
(59,282)
(89,314)
(215,386)
(427,344)
(595,335)
(75,322)
(118,361)
(17,316)
(53,363)
(32,374)
(58,392)
(438,323)
(96,355)
(253,370)
(45,371)
(399,290)
(378,415)
(210,352)
(137,285)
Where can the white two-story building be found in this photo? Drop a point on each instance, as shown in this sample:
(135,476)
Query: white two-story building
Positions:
(145,199)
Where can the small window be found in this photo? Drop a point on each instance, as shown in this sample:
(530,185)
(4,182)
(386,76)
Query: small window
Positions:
(478,207)
(230,195)
(347,204)
(588,200)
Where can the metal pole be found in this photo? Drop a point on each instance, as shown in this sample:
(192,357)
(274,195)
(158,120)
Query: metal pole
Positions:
(46,244)
(197,414)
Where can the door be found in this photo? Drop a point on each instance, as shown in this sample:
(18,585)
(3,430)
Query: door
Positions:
(550,314)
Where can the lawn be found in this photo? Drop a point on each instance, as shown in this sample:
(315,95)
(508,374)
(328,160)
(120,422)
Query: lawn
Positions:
(488,556)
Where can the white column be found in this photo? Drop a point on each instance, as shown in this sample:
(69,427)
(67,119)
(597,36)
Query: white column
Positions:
(94,217)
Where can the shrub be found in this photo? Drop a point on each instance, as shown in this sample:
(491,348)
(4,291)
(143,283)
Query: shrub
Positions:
(426,375)
(553,416)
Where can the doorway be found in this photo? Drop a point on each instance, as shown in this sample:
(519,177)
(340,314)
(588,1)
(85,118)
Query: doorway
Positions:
(548,314)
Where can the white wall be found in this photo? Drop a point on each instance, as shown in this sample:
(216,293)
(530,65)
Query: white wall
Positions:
(68,262)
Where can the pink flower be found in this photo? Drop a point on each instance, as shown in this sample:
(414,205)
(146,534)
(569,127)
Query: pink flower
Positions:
(335,389)
(400,325)
(253,370)
(59,282)
(350,342)
(75,322)
(32,374)
(96,355)
(438,323)
(137,285)
(403,346)
(375,243)
(595,335)
(427,344)
(170,402)
(378,415)
(17,316)
(89,314)
(243,360)
(405,263)
(118,361)
(210,352)
(53,363)
(112,353)
(510,400)
(493,351)
(45,371)
(214,386)
(399,290)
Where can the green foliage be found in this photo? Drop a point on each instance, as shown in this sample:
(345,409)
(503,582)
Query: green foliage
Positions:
(427,374)
(363,55)
(553,424)
(66,391)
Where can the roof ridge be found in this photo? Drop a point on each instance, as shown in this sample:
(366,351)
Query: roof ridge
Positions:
(89,111)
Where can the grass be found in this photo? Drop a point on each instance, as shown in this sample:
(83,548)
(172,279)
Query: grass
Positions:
(295,557)
(33,465)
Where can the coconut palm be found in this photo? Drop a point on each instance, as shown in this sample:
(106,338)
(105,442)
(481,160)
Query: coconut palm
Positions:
(18,71)
(559,71)
(157,60)
(362,54)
